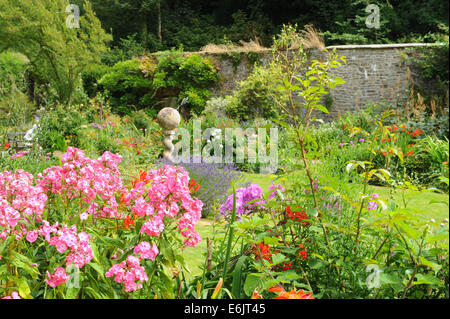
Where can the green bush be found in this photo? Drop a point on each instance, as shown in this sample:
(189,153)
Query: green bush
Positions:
(254,97)
(59,128)
(185,77)
(12,72)
(141,120)
(128,88)
(91,76)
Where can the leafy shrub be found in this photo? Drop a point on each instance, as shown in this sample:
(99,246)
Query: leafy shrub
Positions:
(128,88)
(141,120)
(91,76)
(127,48)
(184,77)
(12,72)
(254,97)
(59,127)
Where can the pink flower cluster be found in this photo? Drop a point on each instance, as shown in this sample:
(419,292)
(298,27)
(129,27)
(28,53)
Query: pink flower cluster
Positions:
(130,273)
(146,251)
(159,197)
(167,196)
(20,202)
(88,179)
(57,278)
(68,238)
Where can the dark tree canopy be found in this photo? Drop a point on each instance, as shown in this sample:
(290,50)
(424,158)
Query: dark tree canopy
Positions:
(162,24)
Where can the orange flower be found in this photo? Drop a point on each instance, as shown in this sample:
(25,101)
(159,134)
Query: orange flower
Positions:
(410,153)
(293,294)
(193,186)
(256,295)
(445,163)
(6,145)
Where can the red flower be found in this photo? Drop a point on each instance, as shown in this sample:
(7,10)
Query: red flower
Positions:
(6,145)
(127,223)
(297,216)
(410,153)
(264,252)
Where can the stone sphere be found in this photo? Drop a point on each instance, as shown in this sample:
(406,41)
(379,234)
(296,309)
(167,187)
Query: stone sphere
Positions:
(169,118)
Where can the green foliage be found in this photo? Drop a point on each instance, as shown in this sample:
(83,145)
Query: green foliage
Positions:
(254,97)
(13,67)
(59,128)
(186,77)
(128,88)
(37,29)
(141,120)
(433,62)
(127,49)
(91,76)
(15,107)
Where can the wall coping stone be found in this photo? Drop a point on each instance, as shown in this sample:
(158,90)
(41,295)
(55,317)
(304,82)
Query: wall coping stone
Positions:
(383,46)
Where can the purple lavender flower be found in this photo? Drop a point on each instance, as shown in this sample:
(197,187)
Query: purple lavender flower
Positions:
(214,179)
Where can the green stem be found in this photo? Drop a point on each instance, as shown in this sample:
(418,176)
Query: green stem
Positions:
(230,238)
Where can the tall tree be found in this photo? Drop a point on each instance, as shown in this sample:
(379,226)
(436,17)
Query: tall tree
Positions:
(58,48)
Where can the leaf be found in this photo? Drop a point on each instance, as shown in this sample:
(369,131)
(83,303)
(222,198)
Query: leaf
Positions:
(24,263)
(98,268)
(315,263)
(167,251)
(389,279)
(278,258)
(436,267)
(72,293)
(427,279)
(236,285)
(271,241)
(24,289)
(411,232)
(322,108)
(251,282)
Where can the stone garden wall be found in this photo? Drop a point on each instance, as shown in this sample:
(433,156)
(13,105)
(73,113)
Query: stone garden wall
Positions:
(374,74)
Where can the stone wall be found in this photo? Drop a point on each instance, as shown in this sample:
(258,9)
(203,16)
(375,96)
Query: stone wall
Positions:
(374,73)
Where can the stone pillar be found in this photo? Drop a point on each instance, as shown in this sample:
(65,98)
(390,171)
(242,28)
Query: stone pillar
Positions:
(168,118)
